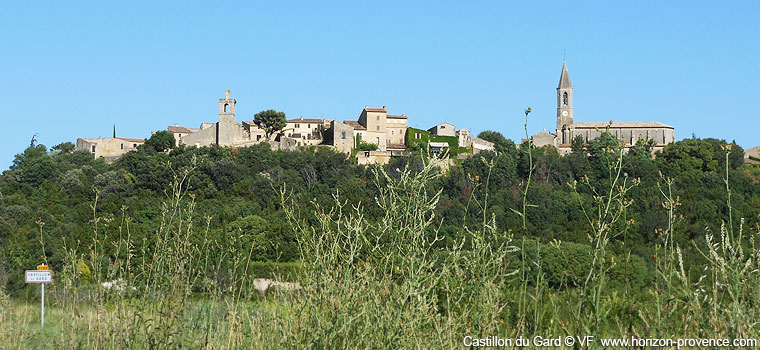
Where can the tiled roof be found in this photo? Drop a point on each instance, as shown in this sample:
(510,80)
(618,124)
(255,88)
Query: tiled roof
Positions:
(481,141)
(131,140)
(373,109)
(354,124)
(305,120)
(176,128)
(617,125)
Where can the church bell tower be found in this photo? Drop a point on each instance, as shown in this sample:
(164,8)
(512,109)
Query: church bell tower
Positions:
(227,107)
(564,106)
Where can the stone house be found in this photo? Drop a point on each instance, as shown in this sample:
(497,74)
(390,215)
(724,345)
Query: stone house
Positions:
(341,136)
(308,131)
(109,148)
(752,155)
(443,129)
(374,126)
(396,132)
(477,144)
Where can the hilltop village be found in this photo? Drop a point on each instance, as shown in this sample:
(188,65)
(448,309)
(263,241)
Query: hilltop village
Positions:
(376,135)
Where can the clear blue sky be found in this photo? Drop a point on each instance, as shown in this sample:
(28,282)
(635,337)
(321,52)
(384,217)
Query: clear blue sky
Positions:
(71,69)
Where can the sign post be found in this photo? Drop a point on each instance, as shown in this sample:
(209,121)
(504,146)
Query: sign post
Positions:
(41,275)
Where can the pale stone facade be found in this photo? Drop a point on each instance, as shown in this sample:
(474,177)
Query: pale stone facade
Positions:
(308,131)
(374,126)
(340,136)
(226,132)
(396,132)
(753,152)
(567,129)
(478,145)
(443,129)
(109,148)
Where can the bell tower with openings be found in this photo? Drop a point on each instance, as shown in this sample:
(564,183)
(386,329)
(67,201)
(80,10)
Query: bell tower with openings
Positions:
(227,107)
(564,106)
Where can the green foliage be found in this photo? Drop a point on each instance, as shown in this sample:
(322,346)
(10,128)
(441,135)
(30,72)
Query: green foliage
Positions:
(366,146)
(401,255)
(501,143)
(160,141)
(421,145)
(65,147)
(271,121)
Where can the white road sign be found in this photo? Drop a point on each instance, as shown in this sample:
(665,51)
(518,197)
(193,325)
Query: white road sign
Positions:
(39,276)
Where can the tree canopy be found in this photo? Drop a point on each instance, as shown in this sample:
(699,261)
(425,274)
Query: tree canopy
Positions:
(271,121)
(238,190)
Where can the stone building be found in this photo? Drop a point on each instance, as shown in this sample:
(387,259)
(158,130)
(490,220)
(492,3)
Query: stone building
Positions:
(374,126)
(477,144)
(341,136)
(109,148)
(752,155)
(567,129)
(226,132)
(396,132)
(464,138)
(307,131)
(443,129)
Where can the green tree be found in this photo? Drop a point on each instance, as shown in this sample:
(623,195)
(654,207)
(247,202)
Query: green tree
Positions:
(251,233)
(161,141)
(366,146)
(271,121)
(65,147)
(500,142)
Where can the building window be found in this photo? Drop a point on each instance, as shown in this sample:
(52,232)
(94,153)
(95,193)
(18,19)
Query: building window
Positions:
(391,132)
(378,141)
(122,146)
(93,148)
(343,135)
(298,126)
(443,126)
(378,128)
(564,99)
(134,145)
(308,126)
(377,117)
(226,108)
(258,137)
(417,135)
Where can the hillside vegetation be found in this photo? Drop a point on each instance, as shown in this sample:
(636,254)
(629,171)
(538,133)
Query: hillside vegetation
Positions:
(402,256)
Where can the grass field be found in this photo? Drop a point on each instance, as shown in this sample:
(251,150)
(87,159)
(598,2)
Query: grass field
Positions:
(384,285)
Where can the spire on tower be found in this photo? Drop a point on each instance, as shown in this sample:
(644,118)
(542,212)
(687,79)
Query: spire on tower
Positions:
(564,80)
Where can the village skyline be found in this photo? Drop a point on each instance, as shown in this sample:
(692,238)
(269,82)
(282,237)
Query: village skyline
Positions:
(478,66)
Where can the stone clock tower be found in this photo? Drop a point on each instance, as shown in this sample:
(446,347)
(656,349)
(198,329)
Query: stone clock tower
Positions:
(564,106)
